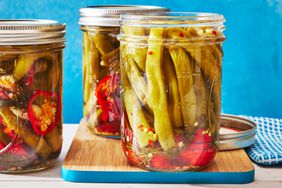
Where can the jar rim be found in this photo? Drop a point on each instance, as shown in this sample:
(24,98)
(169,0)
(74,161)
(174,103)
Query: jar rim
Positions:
(31,31)
(173,19)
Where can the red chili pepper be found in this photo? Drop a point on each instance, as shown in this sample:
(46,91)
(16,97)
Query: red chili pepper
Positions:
(151,142)
(202,137)
(161,161)
(28,79)
(103,90)
(105,116)
(50,111)
(4,95)
(108,127)
(214,32)
(181,34)
(196,157)
(199,152)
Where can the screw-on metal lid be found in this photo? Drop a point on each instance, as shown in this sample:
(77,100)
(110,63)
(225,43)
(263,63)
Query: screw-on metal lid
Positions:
(29,32)
(110,15)
(236,132)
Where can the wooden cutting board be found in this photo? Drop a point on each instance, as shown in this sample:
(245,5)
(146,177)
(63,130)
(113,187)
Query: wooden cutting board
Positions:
(97,159)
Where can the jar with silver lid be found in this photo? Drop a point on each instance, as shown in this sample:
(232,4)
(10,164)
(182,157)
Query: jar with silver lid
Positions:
(30,94)
(101,77)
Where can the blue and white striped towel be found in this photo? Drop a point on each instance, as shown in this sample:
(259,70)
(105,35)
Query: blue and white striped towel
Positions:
(267,149)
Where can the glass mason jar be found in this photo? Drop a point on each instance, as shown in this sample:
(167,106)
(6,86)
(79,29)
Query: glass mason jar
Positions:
(171,84)
(101,75)
(30,94)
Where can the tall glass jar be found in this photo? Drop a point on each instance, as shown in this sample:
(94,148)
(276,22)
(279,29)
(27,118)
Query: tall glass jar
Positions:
(31,54)
(171,84)
(101,75)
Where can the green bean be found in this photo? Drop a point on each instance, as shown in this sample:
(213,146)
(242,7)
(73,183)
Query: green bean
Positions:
(23,65)
(110,59)
(212,69)
(201,95)
(138,53)
(26,61)
(102,43)
(54,140)
(208,57)
(137,80)
(137,119)
(93,120)
(156,89)
(212,53)
(184,74)
(174,103)
(91,68)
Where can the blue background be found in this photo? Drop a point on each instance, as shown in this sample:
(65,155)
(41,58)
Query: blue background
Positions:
(252,72)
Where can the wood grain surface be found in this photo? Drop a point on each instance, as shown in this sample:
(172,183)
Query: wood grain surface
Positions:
(93,153)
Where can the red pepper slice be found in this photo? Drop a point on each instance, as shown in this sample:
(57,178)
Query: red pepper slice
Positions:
(103,91)
(44,111)
(107,93)
(28,78)
(107,89)
(3,95)
(161,161)
(196,157)
(199,152)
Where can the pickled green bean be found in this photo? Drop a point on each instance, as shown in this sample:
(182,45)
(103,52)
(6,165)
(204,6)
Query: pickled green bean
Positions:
(137,81)
(138,53)
(201,95)
(183,70)
(137,119)
(156,90)
(174,103)
(54,139)
(102,43)
(91,63)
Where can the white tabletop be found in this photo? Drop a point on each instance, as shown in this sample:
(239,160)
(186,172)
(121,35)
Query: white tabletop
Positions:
(264,176)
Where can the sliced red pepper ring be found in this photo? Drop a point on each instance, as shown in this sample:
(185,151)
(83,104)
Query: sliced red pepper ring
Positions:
(44,111)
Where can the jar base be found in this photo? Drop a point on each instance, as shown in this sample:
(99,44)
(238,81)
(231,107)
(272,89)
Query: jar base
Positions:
(177,169)
(93,131)
(39,167)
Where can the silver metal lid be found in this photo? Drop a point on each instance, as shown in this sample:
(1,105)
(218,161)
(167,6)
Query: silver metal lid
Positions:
(110,15)
(29,32)
(236,132)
